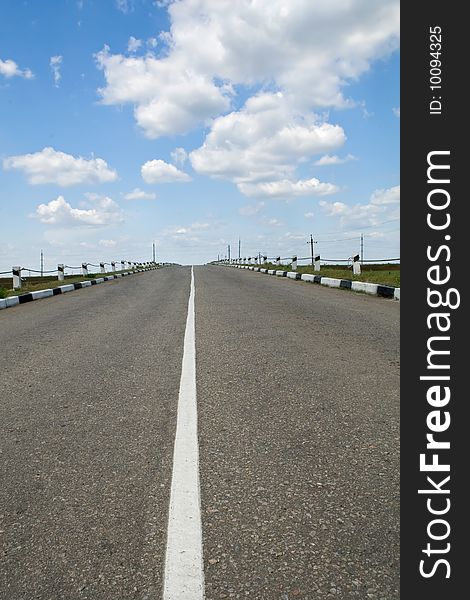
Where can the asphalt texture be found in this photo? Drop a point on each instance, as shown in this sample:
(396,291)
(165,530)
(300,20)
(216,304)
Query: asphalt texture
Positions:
(89,391)
(298,402)
(298,414)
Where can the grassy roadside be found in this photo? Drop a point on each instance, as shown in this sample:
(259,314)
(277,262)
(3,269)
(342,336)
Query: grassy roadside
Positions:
(384,277)
(45,285)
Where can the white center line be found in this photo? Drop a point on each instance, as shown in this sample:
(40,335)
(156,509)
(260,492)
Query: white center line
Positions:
(184,574)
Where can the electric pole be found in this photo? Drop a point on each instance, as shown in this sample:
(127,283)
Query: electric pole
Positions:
(362,248)
(239,246)
(42,263)
(228,249)
(311,242)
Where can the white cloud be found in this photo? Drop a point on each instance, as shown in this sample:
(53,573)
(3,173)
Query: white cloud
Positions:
(51,166)
(107,243)
(138,194)
(55,63)
(124,6)
(168,97)
(179,156)
(383,205)
(158,171)
(309,50)
(9,68)
(396,111)
(309,215)
(264,141)
(103,211)
(133,44)
(288,189)
(388,196)
(274,222)
(333,160)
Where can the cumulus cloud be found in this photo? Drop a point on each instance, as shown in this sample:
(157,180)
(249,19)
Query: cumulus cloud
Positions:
(158,171)
(386,196)
(309,215)
(288,189)
(305,53)
(133,44)
(168,96)
(51,166)
(263,141)
(103,211)
(138,194)
(309,50)
(383,205)
(396,111)
(9,68)
(333,160)
(55,63)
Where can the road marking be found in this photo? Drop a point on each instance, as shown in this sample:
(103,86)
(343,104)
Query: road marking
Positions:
(184,574)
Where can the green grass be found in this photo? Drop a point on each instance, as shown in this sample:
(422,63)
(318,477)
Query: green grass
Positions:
(384,277)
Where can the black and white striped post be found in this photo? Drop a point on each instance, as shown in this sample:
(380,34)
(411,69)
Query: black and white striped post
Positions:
(85,269)
(316,264)
(294,263)
(278,261)
(102,267)
(113,265)
(16,277)
(356,265)
(60,272)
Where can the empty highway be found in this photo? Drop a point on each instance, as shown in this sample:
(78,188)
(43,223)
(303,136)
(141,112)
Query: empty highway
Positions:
(291,460)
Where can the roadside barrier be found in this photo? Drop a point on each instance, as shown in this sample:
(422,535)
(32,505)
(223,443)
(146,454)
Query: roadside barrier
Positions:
(10,301)
(374,289)
(18,279)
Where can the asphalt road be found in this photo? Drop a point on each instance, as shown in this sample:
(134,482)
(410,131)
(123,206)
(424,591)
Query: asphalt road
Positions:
(298,415)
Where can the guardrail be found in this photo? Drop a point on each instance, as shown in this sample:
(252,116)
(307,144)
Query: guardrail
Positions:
(353,261)
(18,279)
(375,289)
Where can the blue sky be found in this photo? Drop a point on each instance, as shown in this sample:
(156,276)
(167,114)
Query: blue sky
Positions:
(195,123)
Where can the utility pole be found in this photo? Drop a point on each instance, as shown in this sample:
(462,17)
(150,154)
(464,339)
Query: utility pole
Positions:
(228,249)
(362,248)
(311,242)
(239,246)
(42,263)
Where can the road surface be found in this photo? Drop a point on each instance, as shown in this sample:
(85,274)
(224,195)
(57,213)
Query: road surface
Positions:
(298,438)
